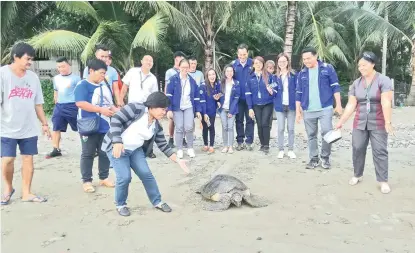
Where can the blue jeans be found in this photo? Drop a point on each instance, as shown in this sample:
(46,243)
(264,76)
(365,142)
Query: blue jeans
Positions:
(290,116)
(137,161)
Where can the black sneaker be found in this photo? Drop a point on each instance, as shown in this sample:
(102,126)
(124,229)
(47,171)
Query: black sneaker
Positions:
(325,163)
(240,146)
(123,211)
(314,163)
(171,142)
(266,150)
(261,148)
(152,155)
(184,143)
(56,152)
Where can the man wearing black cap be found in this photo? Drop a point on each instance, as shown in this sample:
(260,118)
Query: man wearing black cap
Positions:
(178,56)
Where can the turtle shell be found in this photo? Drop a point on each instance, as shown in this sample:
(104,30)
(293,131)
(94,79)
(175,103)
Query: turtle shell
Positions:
(222,184)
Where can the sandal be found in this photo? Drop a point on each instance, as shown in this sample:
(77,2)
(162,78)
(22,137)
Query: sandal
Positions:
(230,150)
(36,199)
(88,188)
(224,150)
(211,150)
(7,198)
(205,148)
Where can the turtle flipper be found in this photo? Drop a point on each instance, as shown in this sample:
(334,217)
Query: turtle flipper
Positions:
(217,206)
(255,201)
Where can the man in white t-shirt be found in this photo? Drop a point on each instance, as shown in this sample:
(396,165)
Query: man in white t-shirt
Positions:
(140,83)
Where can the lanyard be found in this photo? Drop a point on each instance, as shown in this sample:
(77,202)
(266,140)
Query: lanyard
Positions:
(141,79)
(367,90)
(258,78)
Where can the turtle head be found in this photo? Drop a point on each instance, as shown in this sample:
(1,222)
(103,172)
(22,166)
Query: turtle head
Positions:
(236,199)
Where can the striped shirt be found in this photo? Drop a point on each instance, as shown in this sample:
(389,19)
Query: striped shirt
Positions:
(123,119)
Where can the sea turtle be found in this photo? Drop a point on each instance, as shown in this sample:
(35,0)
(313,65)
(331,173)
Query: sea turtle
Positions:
(225,190)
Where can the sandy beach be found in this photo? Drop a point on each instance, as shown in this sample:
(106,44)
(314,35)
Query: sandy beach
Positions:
(309,210)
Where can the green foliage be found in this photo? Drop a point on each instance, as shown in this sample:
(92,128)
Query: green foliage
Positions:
(47,89)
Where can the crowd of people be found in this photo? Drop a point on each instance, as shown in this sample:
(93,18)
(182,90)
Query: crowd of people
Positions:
(118,120)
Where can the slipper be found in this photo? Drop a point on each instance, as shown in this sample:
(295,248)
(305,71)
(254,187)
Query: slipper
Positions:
(36,199)
(8,196)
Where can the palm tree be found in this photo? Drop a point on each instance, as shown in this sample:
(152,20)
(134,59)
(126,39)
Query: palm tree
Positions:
(318,28)
(206,19)
(289,27)
(411,97)
(111,25)
(399,30)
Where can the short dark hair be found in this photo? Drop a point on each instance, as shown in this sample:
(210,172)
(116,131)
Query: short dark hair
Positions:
(192,58)
(243,46)
(62,59)
(311,50)
(369,56)
(21,48)
(179,54)
(101,47)
(96,64)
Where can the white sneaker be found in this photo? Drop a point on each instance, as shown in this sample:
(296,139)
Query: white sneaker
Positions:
(179,154)
(355,180)
(191,153)
(280,154)
(291,154)
(384,188)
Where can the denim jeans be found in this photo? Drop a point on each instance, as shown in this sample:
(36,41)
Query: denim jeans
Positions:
(137,161)
(290,116)
(184,121)
(227,128)
(311,120)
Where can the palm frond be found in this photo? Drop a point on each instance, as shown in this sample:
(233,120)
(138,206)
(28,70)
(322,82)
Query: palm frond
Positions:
(8,15)
(151,33)
(177,18)
(83,8)
(368,19)
(58,42)
(115,35)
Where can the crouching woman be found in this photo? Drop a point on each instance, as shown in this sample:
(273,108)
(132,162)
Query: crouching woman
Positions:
(133,131)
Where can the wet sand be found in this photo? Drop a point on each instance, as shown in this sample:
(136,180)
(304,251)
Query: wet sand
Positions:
(309,211)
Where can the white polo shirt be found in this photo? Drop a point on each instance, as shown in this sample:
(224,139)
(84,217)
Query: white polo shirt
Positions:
(140,85)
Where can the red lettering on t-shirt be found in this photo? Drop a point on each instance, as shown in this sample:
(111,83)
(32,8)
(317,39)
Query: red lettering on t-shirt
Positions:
(23,93)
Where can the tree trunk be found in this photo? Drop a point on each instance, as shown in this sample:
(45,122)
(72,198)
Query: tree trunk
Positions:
(385,46)
(208,48)
(411,97)
(289,27)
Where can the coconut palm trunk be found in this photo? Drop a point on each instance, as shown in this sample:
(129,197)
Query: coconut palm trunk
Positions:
(385,46)
(411,97)
(289,27)
(208,47)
